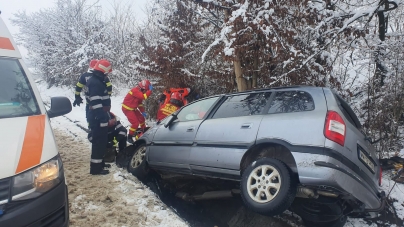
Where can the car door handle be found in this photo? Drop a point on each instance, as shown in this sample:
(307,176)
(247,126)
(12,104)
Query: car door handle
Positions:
(246,126)
(190,129)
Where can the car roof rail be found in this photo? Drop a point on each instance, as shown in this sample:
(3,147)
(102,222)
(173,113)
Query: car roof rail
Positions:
(271,88)
(283,87)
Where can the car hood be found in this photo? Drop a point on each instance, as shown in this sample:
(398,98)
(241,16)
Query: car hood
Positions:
(25,142)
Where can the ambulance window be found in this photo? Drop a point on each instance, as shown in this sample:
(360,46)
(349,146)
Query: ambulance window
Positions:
(16,96)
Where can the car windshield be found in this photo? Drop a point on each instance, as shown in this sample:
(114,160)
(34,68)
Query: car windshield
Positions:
(16,96)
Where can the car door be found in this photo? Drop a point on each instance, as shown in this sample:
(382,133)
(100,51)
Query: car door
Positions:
(222,139)
(171,146)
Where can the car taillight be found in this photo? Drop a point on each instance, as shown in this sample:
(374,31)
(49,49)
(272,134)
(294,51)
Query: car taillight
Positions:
(334,128)
(380,176)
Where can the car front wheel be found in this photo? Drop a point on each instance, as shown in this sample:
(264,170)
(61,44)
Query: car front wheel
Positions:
(137,164)
(268,187)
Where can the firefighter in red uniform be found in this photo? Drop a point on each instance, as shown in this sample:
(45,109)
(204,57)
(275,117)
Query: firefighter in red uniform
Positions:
(176,102)
(166,96)
(134,110)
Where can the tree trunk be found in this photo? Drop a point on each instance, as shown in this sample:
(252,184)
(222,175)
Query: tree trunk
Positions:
(380,69)
(255,72)
(241,82)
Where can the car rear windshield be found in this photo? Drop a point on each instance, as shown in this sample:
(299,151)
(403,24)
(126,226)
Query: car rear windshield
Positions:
(16,96)
(347,111)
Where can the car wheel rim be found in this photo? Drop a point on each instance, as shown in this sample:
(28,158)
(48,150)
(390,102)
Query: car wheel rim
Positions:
(138,157)
(263,183)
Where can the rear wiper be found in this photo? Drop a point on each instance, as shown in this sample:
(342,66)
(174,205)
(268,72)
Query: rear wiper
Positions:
(375,141)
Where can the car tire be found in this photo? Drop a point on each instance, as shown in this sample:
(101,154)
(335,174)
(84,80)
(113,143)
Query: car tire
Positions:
(124,156)
(277,187)
(137,164)
(340,222)
(320,210)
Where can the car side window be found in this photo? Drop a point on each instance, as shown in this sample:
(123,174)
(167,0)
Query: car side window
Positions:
(291,101)
(242,105)
(261,104)
(197,110)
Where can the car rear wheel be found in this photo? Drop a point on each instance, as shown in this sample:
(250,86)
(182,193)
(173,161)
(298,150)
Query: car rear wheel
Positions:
(323,211)
(340,222)
(137,164)
(268,187)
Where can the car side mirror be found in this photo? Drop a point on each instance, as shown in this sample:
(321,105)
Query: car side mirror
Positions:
(170,120)
(59,106)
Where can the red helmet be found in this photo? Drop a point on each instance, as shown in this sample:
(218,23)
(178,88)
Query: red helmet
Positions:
(92,63)
(176,99)
(144,84)
(104,66)
(176,95)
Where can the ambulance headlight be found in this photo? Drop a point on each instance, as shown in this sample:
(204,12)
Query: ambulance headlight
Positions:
(37,181)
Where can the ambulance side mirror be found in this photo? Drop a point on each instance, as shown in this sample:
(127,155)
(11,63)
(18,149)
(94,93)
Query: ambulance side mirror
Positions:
(60,105)
(170,120)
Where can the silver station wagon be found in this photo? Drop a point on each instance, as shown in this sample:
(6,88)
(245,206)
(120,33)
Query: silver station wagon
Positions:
(299,148)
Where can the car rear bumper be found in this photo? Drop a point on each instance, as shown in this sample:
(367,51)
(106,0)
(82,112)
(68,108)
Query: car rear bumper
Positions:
(325,171)
(50,209)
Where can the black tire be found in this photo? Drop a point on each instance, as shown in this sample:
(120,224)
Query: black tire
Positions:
(282,197)
(139,168)
(340,222)
(124,156)
(320,210)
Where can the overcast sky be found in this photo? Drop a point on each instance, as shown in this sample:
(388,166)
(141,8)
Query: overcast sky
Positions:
(9,7)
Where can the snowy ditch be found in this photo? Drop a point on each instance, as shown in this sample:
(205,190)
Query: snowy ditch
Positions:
(117,199)
(120,199)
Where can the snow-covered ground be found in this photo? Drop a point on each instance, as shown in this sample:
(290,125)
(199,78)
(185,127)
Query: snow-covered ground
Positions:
(119,199)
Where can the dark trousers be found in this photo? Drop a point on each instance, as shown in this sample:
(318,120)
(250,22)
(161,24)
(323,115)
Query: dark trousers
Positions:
(88,114)
(120,134)
(99,145)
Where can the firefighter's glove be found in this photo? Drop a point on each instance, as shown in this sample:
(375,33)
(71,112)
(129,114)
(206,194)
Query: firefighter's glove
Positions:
(77,101)
(144,114)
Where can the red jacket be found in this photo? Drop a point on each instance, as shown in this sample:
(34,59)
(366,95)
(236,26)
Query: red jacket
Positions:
(134,99)
(165,110)
(183,91)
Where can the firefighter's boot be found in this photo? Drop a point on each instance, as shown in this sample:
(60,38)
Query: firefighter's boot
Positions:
(104,165)
(130,139)
(97,169)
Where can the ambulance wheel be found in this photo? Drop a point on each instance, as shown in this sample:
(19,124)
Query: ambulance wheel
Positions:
(137,164)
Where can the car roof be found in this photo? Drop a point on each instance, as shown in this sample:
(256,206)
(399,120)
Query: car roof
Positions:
(260,90)
(272,88)
(8,47)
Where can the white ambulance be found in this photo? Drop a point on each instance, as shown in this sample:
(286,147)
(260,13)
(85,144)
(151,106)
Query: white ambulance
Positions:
(33,189)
